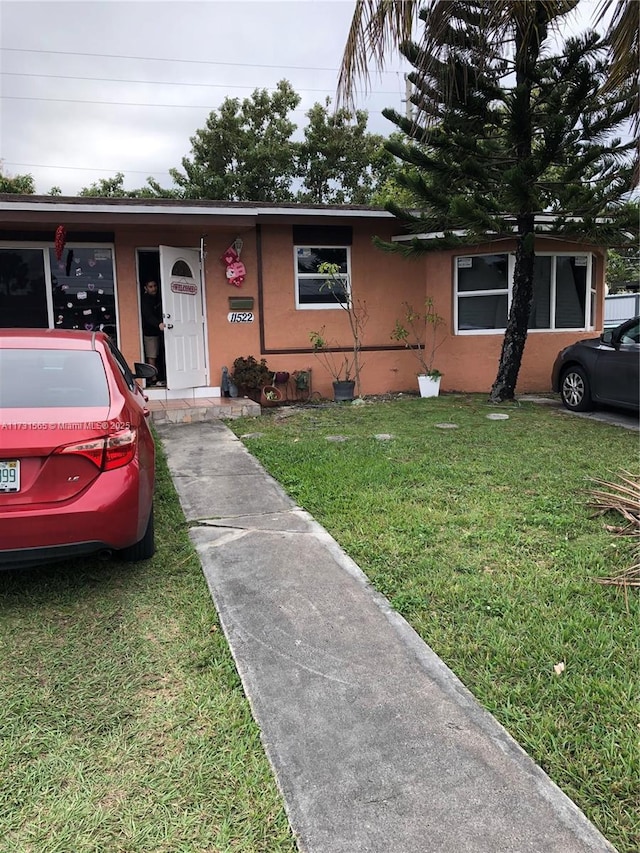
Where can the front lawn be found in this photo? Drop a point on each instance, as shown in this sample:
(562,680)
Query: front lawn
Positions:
(480,534)
(123,724)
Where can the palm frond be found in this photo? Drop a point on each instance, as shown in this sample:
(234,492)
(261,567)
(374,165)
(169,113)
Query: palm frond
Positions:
(379,27)
(376,27)
(621,495)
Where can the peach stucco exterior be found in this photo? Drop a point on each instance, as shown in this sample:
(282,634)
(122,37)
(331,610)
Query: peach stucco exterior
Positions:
(280,331)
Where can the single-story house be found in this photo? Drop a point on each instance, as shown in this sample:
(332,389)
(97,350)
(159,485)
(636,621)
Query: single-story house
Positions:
(113,246)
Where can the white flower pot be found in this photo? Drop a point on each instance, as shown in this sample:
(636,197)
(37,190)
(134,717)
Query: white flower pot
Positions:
(429,387)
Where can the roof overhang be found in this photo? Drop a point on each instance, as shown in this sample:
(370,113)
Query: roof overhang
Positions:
(543,222)
(41,209)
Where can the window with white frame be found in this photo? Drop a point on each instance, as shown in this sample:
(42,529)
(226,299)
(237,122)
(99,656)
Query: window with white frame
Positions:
(564,292)
(317,290)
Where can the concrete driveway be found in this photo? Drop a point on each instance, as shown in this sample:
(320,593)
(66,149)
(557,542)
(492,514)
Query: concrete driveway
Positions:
(605,414)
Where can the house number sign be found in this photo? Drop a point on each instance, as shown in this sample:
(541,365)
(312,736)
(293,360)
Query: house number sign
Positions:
(240,316)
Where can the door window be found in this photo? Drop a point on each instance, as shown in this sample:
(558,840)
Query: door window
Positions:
(181,269)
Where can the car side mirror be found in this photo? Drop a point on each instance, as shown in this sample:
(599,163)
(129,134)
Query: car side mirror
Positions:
(607,338)
(144,371)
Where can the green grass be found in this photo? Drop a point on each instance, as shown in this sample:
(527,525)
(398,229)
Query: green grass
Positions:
(482,537)
(123,724)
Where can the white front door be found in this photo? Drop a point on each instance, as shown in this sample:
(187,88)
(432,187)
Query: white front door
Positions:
(183,311)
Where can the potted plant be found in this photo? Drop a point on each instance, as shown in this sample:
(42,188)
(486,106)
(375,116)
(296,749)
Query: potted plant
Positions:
(337,363)
(270,395)
(418,331)
(251,376)
(343,365)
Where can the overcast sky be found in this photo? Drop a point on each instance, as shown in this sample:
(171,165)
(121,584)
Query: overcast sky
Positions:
(89,89)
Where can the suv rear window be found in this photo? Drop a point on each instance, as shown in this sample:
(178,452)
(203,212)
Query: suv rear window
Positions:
(39,378)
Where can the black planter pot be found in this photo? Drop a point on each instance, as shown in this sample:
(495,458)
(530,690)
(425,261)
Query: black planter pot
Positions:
(343,391)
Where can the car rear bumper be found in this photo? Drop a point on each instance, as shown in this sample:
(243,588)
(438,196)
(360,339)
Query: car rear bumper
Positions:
(25,558)
(111,513)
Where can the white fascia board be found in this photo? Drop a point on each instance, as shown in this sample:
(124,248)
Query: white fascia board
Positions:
(49,207)
(368,213)
(544,222)
(182,210)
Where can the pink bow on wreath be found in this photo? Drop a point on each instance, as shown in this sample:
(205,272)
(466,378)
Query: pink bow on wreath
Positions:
(236,271)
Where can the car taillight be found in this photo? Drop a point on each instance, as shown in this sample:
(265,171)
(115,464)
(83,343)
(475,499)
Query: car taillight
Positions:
(120,449)
(108,453)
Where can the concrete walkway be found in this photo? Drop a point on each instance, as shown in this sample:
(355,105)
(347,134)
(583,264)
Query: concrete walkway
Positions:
(375,744)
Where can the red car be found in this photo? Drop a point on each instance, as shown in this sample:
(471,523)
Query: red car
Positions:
(77,458)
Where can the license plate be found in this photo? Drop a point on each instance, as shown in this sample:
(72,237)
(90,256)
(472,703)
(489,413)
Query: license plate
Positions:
(10,475)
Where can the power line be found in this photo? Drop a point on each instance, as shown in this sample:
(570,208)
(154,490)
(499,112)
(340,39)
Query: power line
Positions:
(84,168)
(155,82)
(170,59)
(130,104)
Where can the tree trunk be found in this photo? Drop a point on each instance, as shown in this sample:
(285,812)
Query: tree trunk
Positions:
(515,335)
(530,31)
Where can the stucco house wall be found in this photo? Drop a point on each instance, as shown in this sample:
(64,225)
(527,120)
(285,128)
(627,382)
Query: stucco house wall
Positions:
(280,330)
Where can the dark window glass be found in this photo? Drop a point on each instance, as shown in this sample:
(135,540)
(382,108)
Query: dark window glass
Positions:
(23,296)
(482,312)
(83,290)
(315,288)
(483,272)
(309,259)
(181,269)
(41,378)
(571,291)
(540,316)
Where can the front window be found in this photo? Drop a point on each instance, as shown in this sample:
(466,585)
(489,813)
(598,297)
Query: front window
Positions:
(23,289)
(38,291)
(315,290)
(563,292)
(82,282)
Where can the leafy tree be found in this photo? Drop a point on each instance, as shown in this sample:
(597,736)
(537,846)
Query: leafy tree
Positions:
(114,188)
(623,269)
(106,188)
(18,184)
(506,130)
(245,150)
(339,161)
(623,263)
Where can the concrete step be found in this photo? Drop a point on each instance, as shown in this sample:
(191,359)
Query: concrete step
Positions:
(194,410)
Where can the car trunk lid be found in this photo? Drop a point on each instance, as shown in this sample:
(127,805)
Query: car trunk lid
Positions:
(48,460)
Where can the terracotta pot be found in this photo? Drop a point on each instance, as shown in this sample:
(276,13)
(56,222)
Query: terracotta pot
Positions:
(270,396)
